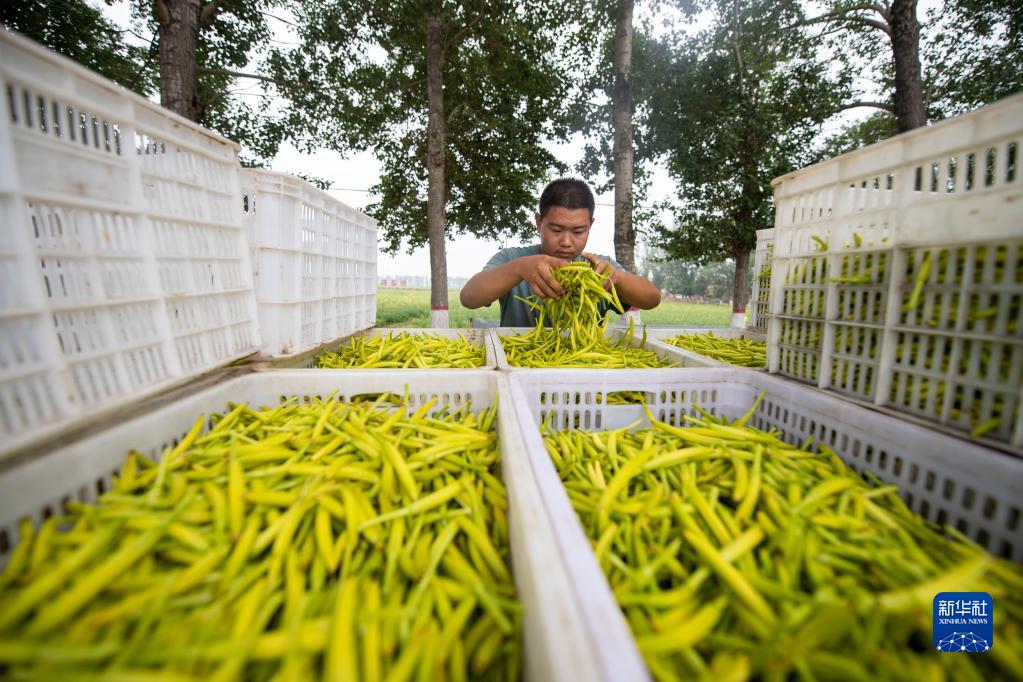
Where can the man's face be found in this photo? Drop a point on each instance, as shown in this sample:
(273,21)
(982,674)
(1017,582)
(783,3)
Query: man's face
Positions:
(564,231)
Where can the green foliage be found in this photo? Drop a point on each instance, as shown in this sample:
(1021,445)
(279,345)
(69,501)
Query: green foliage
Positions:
(359,82)
(731,108)
(78,30)
(974,55)
(875,128)
(689,279)
(851,34)
(970,52)
(239,36)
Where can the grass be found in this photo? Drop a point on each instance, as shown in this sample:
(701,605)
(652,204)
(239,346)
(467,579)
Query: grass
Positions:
(411,308)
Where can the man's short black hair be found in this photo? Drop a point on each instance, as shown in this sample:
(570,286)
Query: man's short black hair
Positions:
(567,193)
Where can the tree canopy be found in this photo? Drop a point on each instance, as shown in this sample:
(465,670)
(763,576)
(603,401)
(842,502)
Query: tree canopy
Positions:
(731,108)
(359,82)
(80,31)
(975,54)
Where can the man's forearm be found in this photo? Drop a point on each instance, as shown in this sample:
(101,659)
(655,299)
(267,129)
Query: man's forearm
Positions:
(488,286)
(637,290)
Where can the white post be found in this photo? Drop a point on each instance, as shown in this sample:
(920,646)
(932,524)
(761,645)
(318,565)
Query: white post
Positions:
(439,318)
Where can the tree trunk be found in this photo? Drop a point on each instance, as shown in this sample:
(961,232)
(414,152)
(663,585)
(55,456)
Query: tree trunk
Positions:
(910,111)
(435,132)
(178,37)
(623,153)
(740,288)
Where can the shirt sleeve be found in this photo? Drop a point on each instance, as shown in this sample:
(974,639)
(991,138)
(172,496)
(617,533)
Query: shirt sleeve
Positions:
(500,258)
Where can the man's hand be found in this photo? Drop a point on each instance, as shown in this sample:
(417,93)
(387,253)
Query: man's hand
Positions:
(536,272)
(604,268)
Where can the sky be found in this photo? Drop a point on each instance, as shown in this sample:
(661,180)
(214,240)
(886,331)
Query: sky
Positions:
(352,177)
(466,254)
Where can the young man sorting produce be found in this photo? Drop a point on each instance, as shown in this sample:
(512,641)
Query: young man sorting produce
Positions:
(564,222)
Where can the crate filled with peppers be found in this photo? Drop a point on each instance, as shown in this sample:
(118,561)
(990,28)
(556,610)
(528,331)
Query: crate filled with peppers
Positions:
(713,347)
(957,343)
(399,348)
(751,528)
(897,275)
(360,529)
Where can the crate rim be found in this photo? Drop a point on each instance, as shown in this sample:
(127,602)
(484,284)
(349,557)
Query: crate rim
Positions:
(68,64)
(837,162)
(490,362)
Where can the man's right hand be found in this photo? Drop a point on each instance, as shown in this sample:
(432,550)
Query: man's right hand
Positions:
(536,272)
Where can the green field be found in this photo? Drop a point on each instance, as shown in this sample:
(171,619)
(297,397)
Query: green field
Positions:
(411,308)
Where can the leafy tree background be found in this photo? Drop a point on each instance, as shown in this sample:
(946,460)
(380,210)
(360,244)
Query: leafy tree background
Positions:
(79,30)
(731,108)
(723,110)
(359,81)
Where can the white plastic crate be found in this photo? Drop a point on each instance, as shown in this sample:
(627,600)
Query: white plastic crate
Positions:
(663,351)
(837,321)
(314,261)
(943,478)
(760,297)
(123,265)
(479,337)
(556,643)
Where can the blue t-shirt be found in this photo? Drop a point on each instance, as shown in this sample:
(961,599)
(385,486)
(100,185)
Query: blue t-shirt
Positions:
(515,313)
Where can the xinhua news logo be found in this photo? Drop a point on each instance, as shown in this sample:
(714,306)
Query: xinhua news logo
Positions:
(964,622)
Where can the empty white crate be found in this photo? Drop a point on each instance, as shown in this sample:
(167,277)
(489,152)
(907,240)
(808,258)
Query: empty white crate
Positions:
(123,265)
(556,643)
(841,318)
(941,477)
(314,260)
(478,337)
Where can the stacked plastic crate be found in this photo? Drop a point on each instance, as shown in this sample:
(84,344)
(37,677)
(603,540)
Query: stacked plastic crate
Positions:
(123,263)
(896,275)
(760,298)
(314,260)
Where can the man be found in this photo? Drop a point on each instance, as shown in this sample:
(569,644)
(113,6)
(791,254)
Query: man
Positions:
(564,222)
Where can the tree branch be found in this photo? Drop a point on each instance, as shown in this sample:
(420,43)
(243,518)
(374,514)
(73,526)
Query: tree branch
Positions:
(454,112)
(209,12)
(238,74)
(860,7)
(874,105)
(283,21)
(150,53)
(846,15)
(873,23)
(465,29)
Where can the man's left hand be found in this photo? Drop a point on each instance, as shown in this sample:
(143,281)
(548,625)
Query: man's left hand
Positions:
(604,268)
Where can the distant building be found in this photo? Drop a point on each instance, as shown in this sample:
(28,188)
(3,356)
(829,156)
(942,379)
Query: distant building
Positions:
(416,282)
